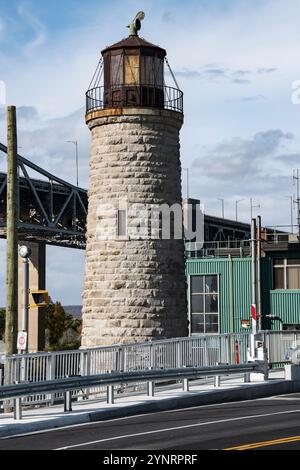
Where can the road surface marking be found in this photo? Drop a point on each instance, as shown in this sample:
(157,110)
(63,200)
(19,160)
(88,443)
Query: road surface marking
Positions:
(266,443)
(177,428)
(90,423)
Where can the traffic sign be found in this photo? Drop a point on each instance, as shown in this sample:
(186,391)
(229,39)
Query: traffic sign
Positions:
(22,341)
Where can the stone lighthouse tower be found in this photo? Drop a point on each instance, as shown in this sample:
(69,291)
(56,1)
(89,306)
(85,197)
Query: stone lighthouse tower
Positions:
(134,288)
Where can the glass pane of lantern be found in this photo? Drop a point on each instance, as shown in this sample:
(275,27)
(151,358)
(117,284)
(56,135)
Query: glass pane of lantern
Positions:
(147,70)
(132,70)
(116,69)
(158,71)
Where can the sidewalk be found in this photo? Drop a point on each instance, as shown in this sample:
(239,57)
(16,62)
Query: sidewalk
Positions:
(200,393)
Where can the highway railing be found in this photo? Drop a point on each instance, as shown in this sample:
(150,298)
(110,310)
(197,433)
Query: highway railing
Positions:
(195,351)
(109,380)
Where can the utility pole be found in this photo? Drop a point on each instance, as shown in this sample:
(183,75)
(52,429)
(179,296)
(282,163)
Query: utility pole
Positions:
(291,210)
(252,206)
(11,329)
(254,288)
(75,142)
(297,201)
(259,301)
(223,208)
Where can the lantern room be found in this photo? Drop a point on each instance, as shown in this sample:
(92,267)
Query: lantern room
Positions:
(130,73)
(133,74)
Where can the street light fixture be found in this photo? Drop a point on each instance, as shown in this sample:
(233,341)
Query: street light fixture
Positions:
(75,142)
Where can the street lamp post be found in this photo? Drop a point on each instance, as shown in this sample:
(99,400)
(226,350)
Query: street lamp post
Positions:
(75,142)
(25,253)
(223,208)
(252,206)
(236,208)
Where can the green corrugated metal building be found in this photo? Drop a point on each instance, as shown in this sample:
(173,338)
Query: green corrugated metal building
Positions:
(219,293)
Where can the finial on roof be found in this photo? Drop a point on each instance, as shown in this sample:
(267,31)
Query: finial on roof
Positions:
(136,25)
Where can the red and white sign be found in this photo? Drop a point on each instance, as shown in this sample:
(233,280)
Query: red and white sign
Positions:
(22,341)
(254,318)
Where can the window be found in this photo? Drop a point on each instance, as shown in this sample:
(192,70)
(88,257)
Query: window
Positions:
(132,70)
(116,69)
(121,223)
(287,273)
(204,304)
(291,327)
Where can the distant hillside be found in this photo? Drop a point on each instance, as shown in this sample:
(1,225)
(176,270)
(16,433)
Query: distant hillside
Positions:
(74,310)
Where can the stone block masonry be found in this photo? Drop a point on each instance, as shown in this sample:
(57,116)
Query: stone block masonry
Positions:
(134,289)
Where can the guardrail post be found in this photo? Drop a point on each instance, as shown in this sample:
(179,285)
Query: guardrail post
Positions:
(17,406)
(150,389)
(186,385)
(110,393)
(67,401)
(18,409)
(50,374)
(247,377)
(217,380)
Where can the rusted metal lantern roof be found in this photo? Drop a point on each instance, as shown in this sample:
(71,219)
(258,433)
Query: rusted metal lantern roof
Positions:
(134,42)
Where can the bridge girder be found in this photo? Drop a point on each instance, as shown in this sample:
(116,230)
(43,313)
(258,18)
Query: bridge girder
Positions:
(51,210)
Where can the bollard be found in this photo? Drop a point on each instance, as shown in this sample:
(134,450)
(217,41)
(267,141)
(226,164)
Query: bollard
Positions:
(150,389)
(110,395)
(186,385)
(17,409)
(67,402)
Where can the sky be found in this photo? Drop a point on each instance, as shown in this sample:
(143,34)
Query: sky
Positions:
(235,60)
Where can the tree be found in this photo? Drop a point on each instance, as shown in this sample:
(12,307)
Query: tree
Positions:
(62,330)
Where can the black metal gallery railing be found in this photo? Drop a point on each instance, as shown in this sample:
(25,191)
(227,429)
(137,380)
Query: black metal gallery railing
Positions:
(119,96)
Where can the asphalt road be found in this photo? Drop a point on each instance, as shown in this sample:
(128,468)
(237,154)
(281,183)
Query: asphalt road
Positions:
(269,423)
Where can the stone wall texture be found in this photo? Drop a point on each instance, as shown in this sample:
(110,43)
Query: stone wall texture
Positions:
(134,290)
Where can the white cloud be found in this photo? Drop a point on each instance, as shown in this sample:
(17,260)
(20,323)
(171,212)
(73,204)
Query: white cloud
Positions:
(38,29)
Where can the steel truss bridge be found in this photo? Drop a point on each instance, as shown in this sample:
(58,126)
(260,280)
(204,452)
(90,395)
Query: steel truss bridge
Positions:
(52,211)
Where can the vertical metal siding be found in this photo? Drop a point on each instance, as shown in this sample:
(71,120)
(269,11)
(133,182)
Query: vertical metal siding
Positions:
(286,305)
(235,296)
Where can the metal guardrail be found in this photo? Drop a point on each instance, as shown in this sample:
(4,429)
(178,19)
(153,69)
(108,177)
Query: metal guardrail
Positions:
(109,380)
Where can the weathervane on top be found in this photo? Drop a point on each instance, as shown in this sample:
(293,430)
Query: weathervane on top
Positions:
(136,25)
